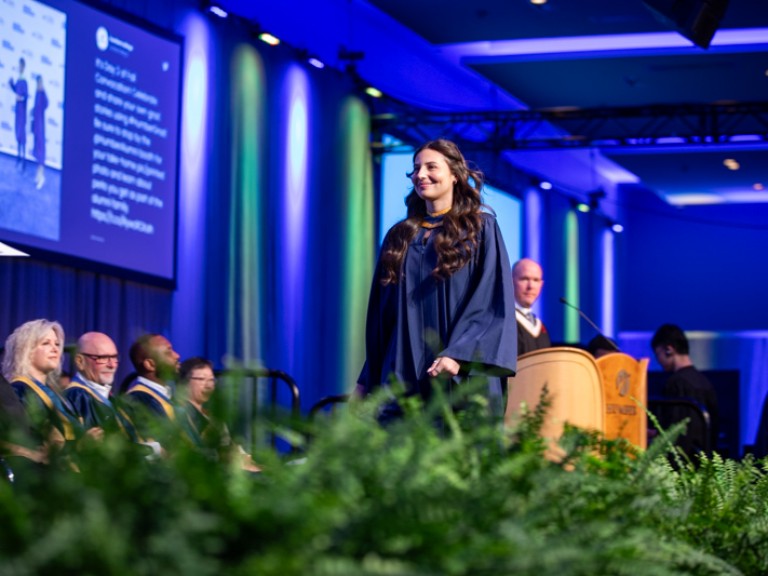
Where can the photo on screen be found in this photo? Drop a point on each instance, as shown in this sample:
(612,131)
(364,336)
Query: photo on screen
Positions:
(32,118)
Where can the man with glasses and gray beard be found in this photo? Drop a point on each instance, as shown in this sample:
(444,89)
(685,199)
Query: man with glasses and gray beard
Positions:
(96,360)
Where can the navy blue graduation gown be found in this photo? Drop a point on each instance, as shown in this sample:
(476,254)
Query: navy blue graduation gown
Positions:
(45,408)
(96,411)
(158,404)
(469,317)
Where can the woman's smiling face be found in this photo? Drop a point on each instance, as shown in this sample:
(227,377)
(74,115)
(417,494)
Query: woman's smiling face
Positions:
(433,180)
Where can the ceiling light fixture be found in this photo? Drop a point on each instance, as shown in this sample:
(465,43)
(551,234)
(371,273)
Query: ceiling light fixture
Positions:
(316,62)
(373,92)
(545,185)
(217,10)
(267,38)
(617,228)
(731,164)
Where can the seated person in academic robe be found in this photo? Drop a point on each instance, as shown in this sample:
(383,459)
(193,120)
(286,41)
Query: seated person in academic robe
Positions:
(670,345)
(31,363)
(97,360)
(148,396)
(16,444)
(528,279)
(197,384)
(12,414)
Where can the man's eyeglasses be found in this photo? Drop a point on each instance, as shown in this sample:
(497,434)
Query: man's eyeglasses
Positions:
(203,379)
(103,358)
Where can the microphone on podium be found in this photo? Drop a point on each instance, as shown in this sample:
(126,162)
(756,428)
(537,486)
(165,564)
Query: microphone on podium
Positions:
(612,343)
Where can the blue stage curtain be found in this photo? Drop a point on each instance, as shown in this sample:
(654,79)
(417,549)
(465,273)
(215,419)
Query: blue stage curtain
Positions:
(81,301)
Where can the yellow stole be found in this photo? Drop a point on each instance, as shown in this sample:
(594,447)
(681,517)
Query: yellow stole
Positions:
(167,406)
(66,424)
(121,417)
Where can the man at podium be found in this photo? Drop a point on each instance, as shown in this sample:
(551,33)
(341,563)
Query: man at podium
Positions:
(528,279)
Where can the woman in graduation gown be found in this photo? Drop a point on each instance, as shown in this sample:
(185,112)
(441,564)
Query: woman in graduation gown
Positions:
(442,301)
(32,362)
(197,385)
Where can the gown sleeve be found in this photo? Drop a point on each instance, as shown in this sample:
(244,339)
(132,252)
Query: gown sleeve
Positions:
(379,327)
(484,336)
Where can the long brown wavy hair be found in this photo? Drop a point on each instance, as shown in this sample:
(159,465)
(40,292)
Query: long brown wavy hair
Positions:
(457,238)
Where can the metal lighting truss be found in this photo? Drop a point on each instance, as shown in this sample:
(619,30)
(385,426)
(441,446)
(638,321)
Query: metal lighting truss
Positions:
(726,124)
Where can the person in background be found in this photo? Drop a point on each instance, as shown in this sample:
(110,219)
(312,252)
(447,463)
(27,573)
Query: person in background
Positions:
(21,94)
(31,363)
(670,346)
(18,451)
(197,384)
(528,280)
(148,398)
(65,379)
(601,346)
(38,129)
(96,360)
(441,304)
(157,367)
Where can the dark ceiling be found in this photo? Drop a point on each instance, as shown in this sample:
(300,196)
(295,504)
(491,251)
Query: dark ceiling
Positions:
(450,22)
(664,111)
(596,79)
(606,80)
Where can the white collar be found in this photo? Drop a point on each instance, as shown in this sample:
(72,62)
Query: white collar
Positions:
(166,391)
(533,328)
(101,389)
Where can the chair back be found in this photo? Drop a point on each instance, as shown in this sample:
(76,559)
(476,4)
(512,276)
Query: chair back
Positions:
(254,393)
(679,408)
(328,404)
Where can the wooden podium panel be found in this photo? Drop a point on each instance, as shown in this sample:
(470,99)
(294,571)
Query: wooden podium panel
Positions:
(575,389)
(625,393)
(608,395)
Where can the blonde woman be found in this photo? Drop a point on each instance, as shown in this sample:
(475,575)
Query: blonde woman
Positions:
(32,363)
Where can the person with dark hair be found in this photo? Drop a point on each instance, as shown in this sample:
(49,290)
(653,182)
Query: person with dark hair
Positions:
(65,379)
(38,129)
(21,94)
(670,346)
(528,280)
(601,346)
(12,414)
(157,367)
(197,383)
(441,304)
(148,396)
(16,431)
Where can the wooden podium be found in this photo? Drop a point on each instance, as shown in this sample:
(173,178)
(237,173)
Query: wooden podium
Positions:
(625,390)
(599,395)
